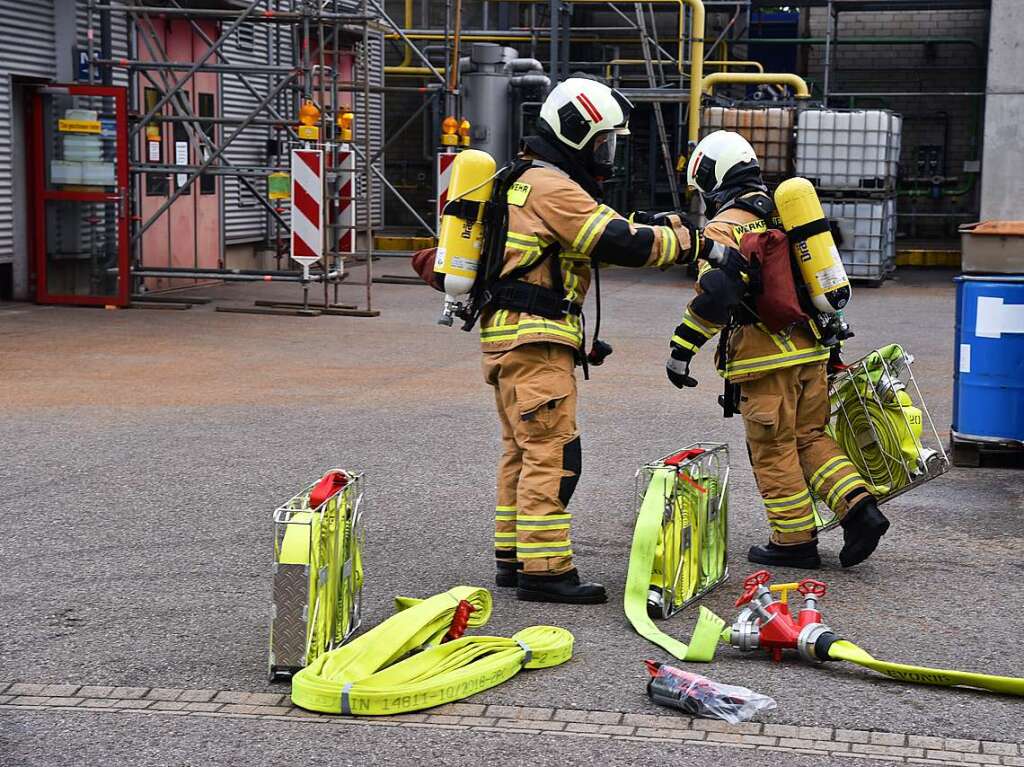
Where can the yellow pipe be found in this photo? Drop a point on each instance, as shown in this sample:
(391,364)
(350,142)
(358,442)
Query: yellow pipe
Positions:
(696,68)
(719,63)
(407,55)
(756,78)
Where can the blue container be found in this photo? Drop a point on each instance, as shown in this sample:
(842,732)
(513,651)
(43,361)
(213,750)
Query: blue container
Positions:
(988,381)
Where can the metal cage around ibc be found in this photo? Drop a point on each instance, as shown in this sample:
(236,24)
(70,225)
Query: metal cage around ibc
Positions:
(880,421)
(318,575)
(692,554)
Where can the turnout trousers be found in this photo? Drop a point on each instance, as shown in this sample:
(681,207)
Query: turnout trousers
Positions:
(535,392)
(785,413)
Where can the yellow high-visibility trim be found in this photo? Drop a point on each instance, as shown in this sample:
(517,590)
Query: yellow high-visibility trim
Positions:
(592,229)
(828,469)
(775,361)
(842,487)
(788,504)
(504,536)
(539,326)
(692,321)
(685,344)
(797,525)
(544,549)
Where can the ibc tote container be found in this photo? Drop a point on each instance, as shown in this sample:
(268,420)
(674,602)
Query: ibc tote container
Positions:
(769,131)
(869,231)
(849,150)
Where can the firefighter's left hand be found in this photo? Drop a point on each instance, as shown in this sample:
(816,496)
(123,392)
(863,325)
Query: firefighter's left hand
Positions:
(678,369)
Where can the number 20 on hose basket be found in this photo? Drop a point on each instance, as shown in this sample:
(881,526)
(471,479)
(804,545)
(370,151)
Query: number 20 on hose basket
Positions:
(880,421)
(690,490)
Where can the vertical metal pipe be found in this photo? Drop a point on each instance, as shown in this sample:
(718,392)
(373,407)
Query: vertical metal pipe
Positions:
(366,156)
(107,74)
(828,50)
(554,12)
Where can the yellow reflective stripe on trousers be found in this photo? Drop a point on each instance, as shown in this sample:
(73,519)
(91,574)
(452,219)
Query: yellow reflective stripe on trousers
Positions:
(642,554)
(547,522)
(828,469)
(842,487)
(797,525)
(591,228)
(505,512)
(381,672)
(775,361)
(789,502)
(543,549)
(783,342)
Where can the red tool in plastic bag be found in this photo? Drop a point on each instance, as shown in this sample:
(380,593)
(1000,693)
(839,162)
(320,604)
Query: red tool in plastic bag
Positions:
(700,696)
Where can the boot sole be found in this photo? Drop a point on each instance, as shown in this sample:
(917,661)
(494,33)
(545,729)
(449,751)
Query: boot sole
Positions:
(883,529)
(529,595)
(808,563)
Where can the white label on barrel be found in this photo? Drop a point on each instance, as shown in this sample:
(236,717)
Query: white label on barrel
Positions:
(965,358)
(996,317)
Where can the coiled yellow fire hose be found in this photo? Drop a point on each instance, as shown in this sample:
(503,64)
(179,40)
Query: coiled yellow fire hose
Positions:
(372,675)
(642,556)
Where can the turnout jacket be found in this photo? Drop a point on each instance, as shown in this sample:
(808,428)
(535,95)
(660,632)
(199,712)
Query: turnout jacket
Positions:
(752,350)
(547,207)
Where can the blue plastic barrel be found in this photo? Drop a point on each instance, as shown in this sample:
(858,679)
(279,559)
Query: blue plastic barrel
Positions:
(988,382)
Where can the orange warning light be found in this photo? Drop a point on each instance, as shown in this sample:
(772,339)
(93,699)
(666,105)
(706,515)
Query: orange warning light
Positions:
(309,114)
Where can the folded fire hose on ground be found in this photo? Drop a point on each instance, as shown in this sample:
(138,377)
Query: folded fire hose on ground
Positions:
(376,674)
(644,572)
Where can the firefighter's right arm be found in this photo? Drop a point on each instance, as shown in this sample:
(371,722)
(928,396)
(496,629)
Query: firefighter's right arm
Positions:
(597,232)
(719,290)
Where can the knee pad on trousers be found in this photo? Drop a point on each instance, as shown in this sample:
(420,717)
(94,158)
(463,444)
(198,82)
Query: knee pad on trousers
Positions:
(572,460)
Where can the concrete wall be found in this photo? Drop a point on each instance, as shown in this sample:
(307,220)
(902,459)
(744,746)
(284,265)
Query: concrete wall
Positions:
(1002,181)
(951,121)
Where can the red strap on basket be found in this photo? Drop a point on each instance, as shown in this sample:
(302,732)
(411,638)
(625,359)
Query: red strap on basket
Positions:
(329,484)
(683,455)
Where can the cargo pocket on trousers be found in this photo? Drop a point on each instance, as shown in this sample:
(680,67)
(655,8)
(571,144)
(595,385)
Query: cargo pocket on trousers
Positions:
(761,415)
(541,403)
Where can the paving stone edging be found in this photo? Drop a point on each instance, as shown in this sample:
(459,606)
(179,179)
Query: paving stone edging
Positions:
(819,741)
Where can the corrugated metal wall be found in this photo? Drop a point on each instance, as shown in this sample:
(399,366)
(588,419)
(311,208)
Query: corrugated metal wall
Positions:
(245,220)
(26,49)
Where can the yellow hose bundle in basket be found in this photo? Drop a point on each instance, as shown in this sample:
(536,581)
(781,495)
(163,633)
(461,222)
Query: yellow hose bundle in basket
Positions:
(876,423)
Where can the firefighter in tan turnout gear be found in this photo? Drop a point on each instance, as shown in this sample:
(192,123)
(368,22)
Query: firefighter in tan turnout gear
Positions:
(532,329)
(781,376)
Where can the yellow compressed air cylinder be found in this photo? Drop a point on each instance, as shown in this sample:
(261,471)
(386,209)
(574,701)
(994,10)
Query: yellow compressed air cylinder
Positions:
(460,239)
(816,253)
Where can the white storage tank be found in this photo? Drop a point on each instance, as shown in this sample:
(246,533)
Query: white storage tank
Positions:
(849,149)
(869,236)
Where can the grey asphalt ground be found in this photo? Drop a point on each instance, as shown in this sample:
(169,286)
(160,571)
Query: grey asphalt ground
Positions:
(143,452)
(84,739)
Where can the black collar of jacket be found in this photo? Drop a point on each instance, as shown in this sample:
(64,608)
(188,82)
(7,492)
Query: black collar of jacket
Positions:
(552,153)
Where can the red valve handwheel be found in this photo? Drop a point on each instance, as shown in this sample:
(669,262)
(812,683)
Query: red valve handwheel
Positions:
(750,585)
(809,586)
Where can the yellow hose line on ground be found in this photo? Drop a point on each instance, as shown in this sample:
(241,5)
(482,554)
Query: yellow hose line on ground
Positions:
(369,676)
(848,651)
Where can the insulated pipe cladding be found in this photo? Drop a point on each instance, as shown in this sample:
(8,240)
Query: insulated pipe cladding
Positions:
(462,231)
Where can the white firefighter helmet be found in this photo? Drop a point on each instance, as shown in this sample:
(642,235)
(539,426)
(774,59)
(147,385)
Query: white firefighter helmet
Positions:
(715,156)
(578,108)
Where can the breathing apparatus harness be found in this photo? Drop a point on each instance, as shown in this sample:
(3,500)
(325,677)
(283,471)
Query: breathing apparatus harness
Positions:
(491,290)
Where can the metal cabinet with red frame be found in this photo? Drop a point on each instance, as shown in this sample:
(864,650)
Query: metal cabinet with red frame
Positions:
(79,186)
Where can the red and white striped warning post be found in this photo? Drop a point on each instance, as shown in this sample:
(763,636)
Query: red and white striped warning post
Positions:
(346,220)
(307,207)
(444,179)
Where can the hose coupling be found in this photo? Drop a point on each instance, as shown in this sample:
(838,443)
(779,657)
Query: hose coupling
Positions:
(745,634)
(807,643)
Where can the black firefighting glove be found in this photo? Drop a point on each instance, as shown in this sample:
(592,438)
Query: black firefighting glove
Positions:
(678,368)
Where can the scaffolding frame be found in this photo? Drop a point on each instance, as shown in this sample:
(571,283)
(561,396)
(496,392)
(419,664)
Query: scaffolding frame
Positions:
(306,46)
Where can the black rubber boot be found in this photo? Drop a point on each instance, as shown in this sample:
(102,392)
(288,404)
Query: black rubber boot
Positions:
(508,573)
(863,527)
(803,556)
(564,588)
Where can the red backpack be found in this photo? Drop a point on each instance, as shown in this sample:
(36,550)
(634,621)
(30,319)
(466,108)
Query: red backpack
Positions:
(776,301)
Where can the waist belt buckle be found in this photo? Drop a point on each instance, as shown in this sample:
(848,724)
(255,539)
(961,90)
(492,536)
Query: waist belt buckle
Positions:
(570,309)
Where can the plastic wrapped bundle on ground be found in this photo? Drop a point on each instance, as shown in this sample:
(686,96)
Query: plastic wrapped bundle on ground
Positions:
(880,421)
(418,659)
(318,571)
(695,694)
(688,491)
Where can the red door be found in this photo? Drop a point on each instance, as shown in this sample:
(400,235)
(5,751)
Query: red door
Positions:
(80,186)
